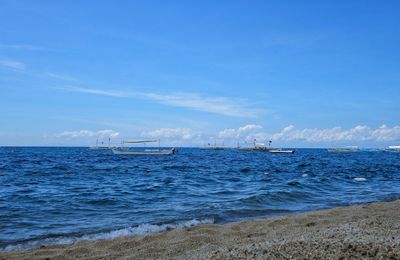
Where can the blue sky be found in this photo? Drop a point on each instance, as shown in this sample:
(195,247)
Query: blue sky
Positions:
(302,73)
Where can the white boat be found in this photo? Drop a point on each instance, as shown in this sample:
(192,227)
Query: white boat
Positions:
(212,148)
(97,147)
(143,151)
(261,147)
(348,149)
(215,147)
(281,151)
(392,149)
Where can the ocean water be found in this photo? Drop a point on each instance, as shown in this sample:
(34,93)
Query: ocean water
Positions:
(62,195)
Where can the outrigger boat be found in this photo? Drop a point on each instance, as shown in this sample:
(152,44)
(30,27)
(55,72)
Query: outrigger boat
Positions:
(145,151)
(281,151)
(97,147)
(392,149)
(215,147)
(348,149)
(261,147)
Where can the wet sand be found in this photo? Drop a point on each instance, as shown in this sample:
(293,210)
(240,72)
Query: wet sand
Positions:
(356,232)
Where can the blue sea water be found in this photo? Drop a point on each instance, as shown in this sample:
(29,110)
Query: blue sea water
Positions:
(62,195)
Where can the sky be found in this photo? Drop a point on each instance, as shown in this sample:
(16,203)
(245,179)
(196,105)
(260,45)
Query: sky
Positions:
(299,73)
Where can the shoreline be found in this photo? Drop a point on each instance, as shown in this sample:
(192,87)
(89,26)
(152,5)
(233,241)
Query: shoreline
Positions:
(361,231)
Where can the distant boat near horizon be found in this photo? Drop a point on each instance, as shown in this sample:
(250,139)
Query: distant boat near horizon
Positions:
(257,147)
(348,149)
(260,147)
(392,149)
(215,147)
(279,150)
(212,148)
(97,147)
(142,151)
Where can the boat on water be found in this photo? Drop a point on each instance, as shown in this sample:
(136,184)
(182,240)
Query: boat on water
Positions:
(261,147)
(348,149)
(287,151)
(392,149)
(212,148)
(215,147)
(142,151)
(97,147)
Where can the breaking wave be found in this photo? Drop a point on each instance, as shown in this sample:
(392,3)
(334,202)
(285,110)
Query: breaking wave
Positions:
(124,232)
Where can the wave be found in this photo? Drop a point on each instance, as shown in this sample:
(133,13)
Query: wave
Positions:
(256,212)
(276,196)
(124,232)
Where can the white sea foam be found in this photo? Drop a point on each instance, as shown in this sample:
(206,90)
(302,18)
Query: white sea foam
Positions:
(130,231)
(360,179)
(304,175)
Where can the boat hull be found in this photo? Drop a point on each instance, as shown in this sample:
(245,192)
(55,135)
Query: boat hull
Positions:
(100,148)
(153,152)
(282,151)
(343,150)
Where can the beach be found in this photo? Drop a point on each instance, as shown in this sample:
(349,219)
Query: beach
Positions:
(354,232)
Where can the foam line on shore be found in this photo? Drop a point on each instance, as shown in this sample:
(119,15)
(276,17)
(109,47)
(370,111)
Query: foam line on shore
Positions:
(124,232)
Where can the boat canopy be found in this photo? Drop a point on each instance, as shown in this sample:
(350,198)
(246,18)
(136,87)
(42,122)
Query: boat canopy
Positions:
(140,142)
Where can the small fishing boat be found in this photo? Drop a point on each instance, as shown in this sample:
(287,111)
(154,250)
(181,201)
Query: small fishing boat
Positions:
(392,149)
(142,151)
(260,147)
(97,147)
(212,148)
(281,151)
(348,149)
(215,147)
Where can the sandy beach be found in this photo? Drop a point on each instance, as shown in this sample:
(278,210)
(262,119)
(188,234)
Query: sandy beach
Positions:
(362,231)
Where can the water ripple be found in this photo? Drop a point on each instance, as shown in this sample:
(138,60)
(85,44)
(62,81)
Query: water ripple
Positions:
(59,195)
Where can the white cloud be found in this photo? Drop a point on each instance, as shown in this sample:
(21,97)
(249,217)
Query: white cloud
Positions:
(246,134)
(88,133)
(228,133)
(12,64)
(385,133)
(217,105)
(61,76)
(110,93)
(21,47)
(174,133)
(243,131)
(179,136)
(360,133)
(357,133)
(248,128)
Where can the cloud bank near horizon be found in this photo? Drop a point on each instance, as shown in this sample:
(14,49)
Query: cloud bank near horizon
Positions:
(360,133)
(87,133)
(249,133)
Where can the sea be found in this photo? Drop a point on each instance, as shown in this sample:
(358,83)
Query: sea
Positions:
(62,195)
